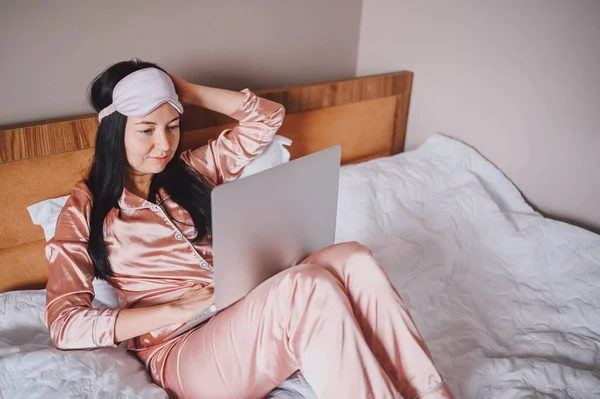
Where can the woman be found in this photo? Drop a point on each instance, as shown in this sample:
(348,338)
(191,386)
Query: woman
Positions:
(141,221)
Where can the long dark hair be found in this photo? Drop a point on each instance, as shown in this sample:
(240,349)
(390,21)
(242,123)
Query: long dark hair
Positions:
(106,177)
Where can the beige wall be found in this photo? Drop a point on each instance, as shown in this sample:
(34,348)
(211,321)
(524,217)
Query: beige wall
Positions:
(518,80)
(51,50)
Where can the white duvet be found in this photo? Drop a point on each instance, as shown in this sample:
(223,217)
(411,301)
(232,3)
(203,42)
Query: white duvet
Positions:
(508,301)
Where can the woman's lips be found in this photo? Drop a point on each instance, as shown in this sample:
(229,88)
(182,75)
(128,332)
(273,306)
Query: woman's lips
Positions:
(157,159)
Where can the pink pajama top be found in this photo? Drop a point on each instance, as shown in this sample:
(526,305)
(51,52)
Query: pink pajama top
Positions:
(151,255)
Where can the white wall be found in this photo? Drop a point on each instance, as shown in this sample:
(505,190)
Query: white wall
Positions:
(518,80)
(50,50)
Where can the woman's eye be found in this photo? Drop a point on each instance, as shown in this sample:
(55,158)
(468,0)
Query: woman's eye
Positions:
(174,127)
(147,131)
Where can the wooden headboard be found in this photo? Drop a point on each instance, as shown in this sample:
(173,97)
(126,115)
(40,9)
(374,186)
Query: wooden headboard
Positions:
(367,116)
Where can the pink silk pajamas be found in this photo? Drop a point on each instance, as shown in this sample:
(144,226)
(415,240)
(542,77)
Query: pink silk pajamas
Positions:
(336,317)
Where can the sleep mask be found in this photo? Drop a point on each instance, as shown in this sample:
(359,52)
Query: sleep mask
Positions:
(141,92)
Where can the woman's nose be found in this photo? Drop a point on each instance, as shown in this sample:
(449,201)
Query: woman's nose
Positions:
(161,141)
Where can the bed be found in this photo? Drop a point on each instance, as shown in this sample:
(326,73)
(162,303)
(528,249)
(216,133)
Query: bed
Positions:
(507,300)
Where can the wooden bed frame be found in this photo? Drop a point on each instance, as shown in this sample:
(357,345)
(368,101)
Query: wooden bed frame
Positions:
(367,116)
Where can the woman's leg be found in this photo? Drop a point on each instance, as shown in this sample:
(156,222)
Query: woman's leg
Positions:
(298,319)
(384,319)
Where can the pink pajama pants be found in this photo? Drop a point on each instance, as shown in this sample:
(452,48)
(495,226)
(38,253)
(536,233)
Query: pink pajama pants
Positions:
(336,317)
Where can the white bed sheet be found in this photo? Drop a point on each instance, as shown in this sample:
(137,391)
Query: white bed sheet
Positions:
(507,300)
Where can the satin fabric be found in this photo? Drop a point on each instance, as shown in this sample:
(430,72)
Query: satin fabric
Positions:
(141,92)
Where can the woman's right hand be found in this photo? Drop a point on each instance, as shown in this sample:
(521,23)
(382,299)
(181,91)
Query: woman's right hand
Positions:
(193,303)
(133,322)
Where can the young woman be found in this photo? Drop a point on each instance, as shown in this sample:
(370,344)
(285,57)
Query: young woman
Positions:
(141,220)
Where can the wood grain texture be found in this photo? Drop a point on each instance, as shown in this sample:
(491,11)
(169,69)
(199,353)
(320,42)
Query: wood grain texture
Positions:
(32,180)
(362,129)
(46,139)
(23,267)
(401,116)
(72,134)
(320,95)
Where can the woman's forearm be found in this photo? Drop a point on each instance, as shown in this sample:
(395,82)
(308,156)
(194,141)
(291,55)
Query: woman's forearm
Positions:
(132,323)
(218,100)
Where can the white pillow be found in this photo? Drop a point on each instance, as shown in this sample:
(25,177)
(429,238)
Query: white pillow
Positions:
(275,154)
(45,213)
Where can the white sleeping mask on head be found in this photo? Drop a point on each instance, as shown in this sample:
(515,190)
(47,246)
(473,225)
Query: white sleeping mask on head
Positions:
(141,92)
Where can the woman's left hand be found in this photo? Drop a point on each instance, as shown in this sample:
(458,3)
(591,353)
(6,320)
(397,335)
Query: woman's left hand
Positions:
(219,100)
(185,90)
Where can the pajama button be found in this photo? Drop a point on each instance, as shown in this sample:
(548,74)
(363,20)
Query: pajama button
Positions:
(179,236)
(155,209)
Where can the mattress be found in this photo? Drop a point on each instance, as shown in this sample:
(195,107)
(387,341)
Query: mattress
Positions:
(508,301)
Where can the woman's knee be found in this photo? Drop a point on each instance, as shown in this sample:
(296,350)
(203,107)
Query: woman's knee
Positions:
(338,254)
(312,279)
(356,248)
(351,255)
(310,273)
(355,261)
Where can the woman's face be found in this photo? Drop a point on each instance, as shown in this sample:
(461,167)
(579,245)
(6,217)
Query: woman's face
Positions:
(151,141)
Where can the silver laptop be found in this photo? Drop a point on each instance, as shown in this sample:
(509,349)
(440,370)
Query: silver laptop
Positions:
(267,222)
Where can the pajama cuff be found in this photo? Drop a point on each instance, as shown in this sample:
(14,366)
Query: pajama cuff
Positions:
(430,386)
(254,107)
(103,330)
